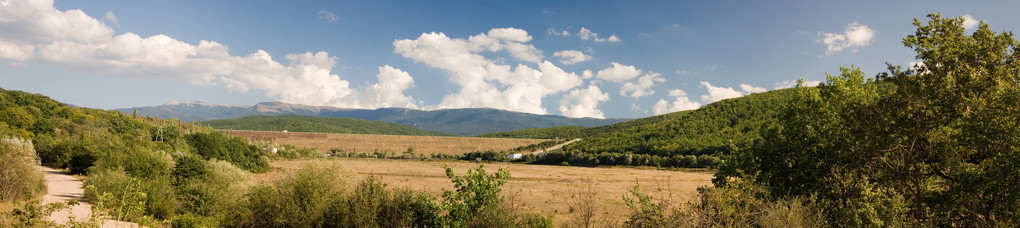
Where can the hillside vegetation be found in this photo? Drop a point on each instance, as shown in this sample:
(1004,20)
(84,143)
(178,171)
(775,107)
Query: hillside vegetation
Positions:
(294,123)
(935,147)
(693,138)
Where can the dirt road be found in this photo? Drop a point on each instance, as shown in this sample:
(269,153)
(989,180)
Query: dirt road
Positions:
(62,187)
(556,147)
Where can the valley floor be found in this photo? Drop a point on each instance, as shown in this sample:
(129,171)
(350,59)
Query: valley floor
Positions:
(538,187)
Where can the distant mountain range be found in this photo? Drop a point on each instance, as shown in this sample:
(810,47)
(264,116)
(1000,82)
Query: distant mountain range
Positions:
(295,123)
(467,122)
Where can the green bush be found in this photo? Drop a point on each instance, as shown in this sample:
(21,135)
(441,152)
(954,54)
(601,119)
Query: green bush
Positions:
(232,149)
(299,199)
(194,221)
(129,198)
(476,202)
(738,204)
(188,167)
(372,205)
(20,178)
(216,194)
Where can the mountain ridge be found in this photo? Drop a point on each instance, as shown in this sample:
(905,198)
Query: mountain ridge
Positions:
(466,121)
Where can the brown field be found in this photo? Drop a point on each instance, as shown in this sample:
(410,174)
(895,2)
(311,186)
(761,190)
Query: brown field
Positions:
(391,143)
(539,188)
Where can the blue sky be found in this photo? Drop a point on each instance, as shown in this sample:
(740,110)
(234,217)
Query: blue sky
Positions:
(641,57)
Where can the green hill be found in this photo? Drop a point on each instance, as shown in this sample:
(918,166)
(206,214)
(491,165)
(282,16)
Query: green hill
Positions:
(295,123)
(693,138)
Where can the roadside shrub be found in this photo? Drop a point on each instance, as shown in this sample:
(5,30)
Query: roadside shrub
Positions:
(215,194)
(19,176)
(299,199)
(128,196)
(372,205)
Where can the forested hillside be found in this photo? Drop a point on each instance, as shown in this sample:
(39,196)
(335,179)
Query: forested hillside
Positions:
(693,138)
(296,123)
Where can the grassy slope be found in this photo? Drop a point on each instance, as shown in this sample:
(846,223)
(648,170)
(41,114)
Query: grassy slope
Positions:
(296,123)
(708,130)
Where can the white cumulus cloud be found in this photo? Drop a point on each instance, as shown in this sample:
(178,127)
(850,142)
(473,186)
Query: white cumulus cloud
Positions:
(855,35)
(571,57)
(614,38)
(35,31)
(680,103)
(583,102)
(618,72)
(721,93)
(484,82)
(587,34)
(969,21)
(642,87)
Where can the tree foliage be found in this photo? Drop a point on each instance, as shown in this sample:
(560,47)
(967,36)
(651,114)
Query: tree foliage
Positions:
(936,146)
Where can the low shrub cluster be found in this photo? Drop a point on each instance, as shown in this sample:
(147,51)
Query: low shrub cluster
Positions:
(317,196)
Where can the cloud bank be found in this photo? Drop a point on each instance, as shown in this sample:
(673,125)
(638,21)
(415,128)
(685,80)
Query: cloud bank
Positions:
(34,31)
(487,83)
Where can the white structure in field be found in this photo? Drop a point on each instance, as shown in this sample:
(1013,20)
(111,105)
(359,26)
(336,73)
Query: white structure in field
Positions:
(514,156)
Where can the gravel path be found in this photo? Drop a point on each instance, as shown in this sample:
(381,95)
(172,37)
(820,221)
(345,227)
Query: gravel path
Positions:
(62,187)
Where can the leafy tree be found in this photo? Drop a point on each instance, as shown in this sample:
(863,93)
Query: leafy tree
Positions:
(934,146)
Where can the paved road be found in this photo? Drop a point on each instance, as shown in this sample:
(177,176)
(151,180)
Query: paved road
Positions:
(556,147)
(62,187)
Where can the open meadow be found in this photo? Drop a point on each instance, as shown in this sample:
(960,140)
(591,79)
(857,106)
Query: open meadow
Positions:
(541,188)
(392,143)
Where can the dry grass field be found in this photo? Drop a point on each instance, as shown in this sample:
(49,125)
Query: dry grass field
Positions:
(540,188)
(392,143)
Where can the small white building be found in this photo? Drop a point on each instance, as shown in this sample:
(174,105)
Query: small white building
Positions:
(514,156)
